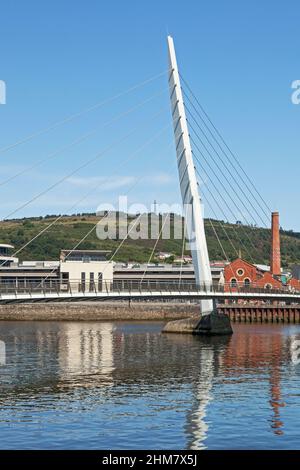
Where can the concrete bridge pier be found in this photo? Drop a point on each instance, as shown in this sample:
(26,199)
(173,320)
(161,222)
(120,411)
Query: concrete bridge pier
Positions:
(212,324)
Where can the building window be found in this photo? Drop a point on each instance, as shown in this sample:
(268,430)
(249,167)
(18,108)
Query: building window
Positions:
(100,281)
(240,272)
(247,282)
(233,282)
(82,282)
(268,286)
(92,282)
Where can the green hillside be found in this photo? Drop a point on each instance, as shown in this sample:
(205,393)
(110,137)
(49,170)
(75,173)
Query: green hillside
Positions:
(254,243)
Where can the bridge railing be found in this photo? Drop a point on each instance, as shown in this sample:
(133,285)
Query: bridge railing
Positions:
(58,287)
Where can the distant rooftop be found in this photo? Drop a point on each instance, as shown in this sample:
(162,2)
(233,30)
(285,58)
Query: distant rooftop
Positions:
(263,267)
(137,267)
(84,255)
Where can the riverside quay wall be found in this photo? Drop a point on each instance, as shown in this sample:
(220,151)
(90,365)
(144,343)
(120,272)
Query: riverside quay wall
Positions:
(262,314)
(97,311)
(143,311)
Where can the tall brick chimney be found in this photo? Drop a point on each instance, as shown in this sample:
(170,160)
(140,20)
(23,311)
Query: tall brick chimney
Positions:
(275,246)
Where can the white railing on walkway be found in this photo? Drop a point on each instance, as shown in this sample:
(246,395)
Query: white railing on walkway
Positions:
(55,289)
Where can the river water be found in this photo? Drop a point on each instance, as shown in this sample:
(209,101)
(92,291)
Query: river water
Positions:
(75,385)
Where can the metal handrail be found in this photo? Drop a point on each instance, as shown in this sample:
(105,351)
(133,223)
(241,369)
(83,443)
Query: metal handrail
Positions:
(129,286)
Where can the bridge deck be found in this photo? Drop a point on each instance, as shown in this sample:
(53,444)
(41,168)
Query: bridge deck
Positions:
(61,296)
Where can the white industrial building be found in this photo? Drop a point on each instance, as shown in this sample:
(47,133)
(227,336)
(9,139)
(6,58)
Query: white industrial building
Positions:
(86,270)
(91,270)
(5,258)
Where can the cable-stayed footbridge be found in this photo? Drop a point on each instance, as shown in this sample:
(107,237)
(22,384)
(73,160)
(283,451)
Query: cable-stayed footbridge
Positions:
(208,172)
(143,291)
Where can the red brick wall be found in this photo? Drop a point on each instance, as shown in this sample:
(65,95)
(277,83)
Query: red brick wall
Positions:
(240,270)
(267,280)
(294,284)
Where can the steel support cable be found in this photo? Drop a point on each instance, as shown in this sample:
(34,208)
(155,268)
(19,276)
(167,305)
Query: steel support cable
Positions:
(124,239)
(219,180)
(224,215)
(222,173)
(266,214)
(180,274)
(98,156)
(182,251)
(230,210)
(176,137)
(215,187)
(136,152)
(222,198)
(154,247)
(227,236)
(95,225)
(219,222)
(81,113)
(221,225)
(228,170)
(222,248)
(79,140)
(218,239)
(224,230)
(75,247)
(250,257)
(227,147)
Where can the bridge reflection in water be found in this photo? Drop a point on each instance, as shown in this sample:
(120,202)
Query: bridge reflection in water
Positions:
(49,364)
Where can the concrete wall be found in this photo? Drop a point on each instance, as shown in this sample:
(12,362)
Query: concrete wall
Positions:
(97,311)
(76,268)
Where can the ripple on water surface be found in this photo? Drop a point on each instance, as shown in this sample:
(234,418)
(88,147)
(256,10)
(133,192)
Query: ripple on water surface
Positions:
(68,385)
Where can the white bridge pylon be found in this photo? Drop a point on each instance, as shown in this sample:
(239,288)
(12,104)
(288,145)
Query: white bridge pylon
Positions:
(191,201)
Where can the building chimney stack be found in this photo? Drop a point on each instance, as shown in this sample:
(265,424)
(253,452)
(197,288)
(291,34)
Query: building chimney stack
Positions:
(275,248)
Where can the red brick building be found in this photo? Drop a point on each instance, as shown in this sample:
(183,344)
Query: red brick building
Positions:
(240,273)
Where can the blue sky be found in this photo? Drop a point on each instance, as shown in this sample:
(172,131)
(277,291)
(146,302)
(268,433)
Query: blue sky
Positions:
(61,57)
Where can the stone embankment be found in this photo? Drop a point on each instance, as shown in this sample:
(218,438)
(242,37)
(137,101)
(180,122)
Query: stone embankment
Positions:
(159,311)
(97,311)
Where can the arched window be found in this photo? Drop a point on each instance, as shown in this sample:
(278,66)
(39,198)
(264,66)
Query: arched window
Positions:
(247,282)
(233,282)
(268,286)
